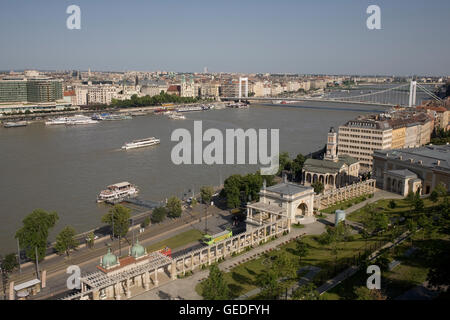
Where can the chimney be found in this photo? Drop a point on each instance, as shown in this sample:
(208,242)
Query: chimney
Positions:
(284,177)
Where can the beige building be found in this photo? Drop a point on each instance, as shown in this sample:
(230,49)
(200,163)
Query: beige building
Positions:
(412,136)
(101,94)
(359,138)
(404,170)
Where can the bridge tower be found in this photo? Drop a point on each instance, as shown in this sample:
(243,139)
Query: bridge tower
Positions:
(241,80)
(412,94)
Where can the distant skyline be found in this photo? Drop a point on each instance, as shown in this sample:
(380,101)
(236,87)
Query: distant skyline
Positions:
(248,36)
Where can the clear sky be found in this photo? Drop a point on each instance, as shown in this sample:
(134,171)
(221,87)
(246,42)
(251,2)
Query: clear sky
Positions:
(310,36)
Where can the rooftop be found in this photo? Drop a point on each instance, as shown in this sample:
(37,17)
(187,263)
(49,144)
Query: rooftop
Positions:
(405,173)
(430,156)
(288,188)
(327,166)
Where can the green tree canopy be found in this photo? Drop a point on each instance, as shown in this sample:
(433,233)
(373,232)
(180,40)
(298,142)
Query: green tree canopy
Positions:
(206,194)
(271,288)
(174,207)
(318,187)
(284,162)
(297,166)
(232,187)
(159,214)
(34,233)
(118,217)
(215,286)
(7,265)
(306,292)
(65,241)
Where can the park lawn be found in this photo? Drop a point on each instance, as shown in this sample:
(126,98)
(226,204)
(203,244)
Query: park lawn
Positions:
(402,206)
(411,272)
(177,241)
(345,204)
(241,278)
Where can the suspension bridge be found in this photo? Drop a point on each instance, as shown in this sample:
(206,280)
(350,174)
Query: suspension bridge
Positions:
(406,95)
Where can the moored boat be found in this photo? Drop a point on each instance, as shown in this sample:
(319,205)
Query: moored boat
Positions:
(117,192)
(15,124)
(75,120)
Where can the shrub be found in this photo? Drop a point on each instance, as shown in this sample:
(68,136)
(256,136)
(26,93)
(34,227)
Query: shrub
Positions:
(392,204)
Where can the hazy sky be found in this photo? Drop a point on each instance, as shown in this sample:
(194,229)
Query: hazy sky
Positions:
(310,36)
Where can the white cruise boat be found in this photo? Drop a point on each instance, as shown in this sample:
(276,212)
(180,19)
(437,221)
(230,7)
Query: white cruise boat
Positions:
(189,109)
(141,143)
(175,116)
(77,119)
(117,192)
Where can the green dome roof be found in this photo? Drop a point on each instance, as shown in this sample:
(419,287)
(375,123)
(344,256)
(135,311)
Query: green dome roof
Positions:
(137,250)
(109,259)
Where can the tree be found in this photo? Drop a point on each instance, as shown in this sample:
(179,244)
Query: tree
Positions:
(411,198)
(439,273)
(306,292)
(297,166)
(418,205)
(302,249)
(65,241)
(284,162)
(146,222)
(441,190)
(232,187)
(363,293)
(159,214)
(7,265)
(206,194)
(251,185)
(174,207)
(90,239)
(34,233)
(434,196)
(318,187)
(215,286)
(392,204)
(285,265)
(267,280)
(119,219)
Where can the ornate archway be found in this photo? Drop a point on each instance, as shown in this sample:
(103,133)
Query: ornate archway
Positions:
(302,209)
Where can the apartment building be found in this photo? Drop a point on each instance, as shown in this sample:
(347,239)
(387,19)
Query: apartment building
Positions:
(359,138)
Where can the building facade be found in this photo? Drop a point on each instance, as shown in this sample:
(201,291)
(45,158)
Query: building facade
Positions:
(359,139)
(404,170)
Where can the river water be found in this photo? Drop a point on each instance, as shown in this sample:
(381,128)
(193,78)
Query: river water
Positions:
(63,168)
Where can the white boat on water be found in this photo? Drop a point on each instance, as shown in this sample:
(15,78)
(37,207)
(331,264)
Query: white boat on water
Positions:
(77,119)
(141,143)
(118,191)
(15,124)
(189,109)
(175,116)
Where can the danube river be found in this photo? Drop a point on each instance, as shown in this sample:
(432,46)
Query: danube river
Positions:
(63,168)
